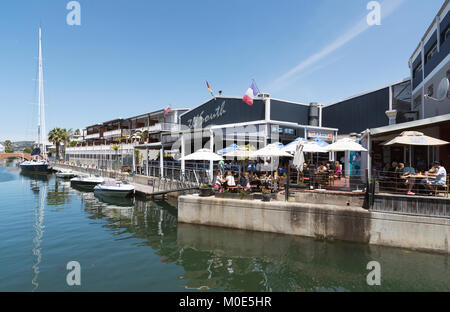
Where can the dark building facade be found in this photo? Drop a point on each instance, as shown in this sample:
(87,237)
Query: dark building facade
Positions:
(388,105)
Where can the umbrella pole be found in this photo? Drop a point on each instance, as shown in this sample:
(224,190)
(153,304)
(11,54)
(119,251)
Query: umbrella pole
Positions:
(410,154)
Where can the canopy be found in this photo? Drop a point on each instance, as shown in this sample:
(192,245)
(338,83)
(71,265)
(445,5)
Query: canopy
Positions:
(415,138)
(308,147)
(345,145)
(321,142)
(228,149)
(271,150)
(241,152)
(203,154)
(291,147)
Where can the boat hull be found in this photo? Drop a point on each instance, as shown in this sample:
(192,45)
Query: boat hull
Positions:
(84,185)
(113,193)
(40,168)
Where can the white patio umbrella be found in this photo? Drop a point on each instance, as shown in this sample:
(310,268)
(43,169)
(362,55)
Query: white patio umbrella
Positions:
(414,138)
(345,145)
(203,154)
(308,147)
(272,150)
(242,152)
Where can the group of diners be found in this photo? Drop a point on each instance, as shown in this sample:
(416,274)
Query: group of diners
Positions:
(250,181)
(395,175)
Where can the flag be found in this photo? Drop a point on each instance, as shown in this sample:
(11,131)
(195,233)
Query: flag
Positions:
(209,88)
(250,94)
(167,110)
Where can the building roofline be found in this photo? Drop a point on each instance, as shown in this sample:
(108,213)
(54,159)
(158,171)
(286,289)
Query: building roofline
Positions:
(410,124)
(367,92)
(239,97)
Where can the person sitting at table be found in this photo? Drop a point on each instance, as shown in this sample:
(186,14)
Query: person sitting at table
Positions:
(405,173)
(242,180)
(338,169)
(219,180)
(230,179)
(439,174)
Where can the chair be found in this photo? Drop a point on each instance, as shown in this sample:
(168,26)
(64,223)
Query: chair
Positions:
(442,188)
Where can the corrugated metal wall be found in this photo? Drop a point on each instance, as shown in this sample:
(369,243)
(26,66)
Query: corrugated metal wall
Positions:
(359,113)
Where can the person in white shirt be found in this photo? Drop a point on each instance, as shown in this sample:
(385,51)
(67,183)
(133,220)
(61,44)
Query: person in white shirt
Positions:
(230,179)
(440,175)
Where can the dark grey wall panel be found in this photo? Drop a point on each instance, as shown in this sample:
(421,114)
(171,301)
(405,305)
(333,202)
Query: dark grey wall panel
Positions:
(290,112)
(221,111)
(358,114)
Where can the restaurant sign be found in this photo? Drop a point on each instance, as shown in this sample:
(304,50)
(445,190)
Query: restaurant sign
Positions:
(320,134)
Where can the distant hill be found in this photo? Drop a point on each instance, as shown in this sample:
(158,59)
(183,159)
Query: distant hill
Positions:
(19,146)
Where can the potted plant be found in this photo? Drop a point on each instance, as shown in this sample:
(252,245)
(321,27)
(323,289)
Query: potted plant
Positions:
(206,190)
(243,193)
(266,194)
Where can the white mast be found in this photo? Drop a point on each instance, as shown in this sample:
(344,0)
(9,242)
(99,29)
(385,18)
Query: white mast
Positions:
(42,140)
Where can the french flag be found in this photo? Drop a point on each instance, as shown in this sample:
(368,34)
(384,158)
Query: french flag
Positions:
(250,94)
(167,110)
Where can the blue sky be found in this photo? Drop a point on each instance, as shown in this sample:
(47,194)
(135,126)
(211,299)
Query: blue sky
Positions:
(136,56)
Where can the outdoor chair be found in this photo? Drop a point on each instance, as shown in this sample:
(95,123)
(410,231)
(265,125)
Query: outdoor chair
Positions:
(442,188)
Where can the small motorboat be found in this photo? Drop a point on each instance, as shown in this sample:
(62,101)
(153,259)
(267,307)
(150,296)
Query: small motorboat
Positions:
(114,189)
(66,174)
(86,182)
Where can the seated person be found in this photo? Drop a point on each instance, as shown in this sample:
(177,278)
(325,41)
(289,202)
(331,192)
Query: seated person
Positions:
(219,180)
(405,174)
(230,179)
(440,175)
(338,168)
(242,180)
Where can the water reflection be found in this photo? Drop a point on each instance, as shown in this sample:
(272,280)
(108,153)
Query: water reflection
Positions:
(234,260)
(41,192)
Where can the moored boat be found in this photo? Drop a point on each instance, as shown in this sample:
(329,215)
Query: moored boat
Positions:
(86,182)
(114,189)
(37,166)
(66,174)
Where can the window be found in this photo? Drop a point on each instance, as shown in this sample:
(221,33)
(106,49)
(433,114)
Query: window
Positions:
(447,34)
(448,74)
(432,52)
(418,69)
(430,90)
(417,103)
(289,131)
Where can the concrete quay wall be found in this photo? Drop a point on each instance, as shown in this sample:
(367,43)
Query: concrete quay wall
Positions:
(322,221)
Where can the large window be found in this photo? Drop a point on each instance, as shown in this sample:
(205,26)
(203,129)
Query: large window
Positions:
(417,69)
(432,52)
(447,33)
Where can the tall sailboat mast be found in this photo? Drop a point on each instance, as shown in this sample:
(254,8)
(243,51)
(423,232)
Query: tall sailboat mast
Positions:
(41,103)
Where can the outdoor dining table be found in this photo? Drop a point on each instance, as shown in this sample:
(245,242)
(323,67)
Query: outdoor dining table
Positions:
(421,176)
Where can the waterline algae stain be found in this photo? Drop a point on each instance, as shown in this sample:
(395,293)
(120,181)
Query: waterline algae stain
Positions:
(136,245)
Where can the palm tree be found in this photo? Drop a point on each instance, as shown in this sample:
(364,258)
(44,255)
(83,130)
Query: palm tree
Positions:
(139,134)
(8,143)
(57,136)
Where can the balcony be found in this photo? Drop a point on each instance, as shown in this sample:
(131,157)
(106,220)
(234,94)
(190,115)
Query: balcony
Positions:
(112,133)
(160,127)
(92,136)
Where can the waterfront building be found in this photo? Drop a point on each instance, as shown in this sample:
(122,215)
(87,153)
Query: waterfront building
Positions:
(228,120)
(390,104)
(2,148)
(429,64)
(112,144)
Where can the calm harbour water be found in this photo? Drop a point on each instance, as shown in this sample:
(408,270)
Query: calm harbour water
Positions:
(136,245)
